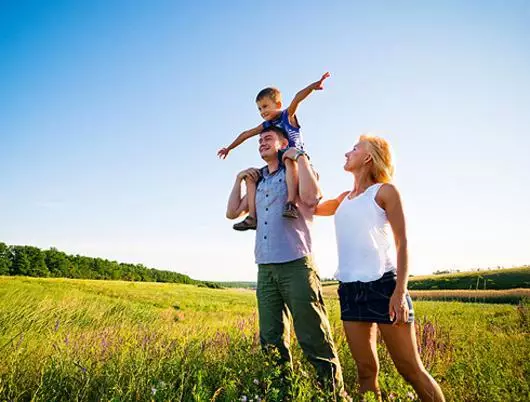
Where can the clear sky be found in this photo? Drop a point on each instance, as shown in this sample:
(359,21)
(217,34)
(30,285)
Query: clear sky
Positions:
(111,113)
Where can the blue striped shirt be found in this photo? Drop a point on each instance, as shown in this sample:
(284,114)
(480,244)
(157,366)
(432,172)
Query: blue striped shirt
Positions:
(279,239)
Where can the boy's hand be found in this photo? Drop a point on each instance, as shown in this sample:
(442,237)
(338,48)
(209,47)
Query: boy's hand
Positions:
(293,154)
(223,153)
(319,85)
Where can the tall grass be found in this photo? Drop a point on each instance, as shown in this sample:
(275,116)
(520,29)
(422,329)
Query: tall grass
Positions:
(94,340)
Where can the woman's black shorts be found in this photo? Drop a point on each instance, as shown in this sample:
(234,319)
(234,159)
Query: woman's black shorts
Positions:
(369,301)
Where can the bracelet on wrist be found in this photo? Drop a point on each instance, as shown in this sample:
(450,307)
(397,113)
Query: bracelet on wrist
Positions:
(298,155)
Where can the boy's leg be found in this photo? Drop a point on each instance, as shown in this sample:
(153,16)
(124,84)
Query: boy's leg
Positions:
(249,223)
(251,197)
(301,289)
(290,210)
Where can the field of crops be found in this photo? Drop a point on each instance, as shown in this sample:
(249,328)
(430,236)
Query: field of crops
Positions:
(88,340)
(496,279)
(509,296)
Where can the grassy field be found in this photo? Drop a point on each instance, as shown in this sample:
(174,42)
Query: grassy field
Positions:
(496,279)
(509,296)
(86,340)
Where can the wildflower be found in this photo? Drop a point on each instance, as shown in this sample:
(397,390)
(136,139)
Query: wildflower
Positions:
(153,390)
(162,384)
(256,381)
(411,395)
(392,396)
(243,398)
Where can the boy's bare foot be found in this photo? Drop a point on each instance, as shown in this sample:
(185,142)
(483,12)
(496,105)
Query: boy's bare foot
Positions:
(290,210)
(249,223)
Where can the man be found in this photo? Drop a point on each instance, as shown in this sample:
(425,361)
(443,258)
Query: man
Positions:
(288,283)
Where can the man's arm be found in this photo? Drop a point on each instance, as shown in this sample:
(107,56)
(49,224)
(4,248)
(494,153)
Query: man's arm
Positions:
(238,204)
(304,93)
(245,135)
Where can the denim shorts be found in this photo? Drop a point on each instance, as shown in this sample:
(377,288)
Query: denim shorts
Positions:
(369,301)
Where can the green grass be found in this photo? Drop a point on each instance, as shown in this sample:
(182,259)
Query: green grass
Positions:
(66,339)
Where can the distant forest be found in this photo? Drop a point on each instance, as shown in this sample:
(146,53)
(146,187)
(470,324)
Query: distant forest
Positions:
(32,261)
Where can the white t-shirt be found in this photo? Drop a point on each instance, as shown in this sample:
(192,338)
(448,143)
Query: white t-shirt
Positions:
(364,239)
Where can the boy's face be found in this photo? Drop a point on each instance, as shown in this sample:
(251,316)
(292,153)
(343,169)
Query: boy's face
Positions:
(268,109)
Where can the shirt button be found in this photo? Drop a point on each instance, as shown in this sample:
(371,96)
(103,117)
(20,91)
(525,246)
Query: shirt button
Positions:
(266,195)
(265,237)
(265,222)
(266,209)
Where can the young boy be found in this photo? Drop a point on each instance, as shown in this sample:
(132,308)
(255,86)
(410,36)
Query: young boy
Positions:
(269,102)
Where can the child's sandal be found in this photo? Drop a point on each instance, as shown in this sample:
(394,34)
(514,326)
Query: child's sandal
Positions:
(249,223)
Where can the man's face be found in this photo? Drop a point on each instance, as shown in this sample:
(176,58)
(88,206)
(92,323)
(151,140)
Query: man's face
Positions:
(269,144)
(268,109)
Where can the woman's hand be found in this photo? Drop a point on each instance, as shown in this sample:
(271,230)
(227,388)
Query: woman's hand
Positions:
(398,308)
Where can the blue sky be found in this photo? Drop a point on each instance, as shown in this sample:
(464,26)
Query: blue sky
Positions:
(111,114)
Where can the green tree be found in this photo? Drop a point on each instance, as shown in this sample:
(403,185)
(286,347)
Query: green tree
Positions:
(57,263)
(21,264)
(37,264)
(5,260)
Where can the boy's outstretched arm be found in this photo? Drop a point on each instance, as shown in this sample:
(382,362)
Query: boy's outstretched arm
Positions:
(245,135)
(304,93)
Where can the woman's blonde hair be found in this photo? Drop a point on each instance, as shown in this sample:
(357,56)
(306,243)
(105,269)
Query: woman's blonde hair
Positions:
(379,149)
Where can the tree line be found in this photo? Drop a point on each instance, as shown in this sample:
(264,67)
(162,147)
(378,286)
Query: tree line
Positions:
(32,261)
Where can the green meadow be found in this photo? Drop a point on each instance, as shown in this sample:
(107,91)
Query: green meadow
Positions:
(68,339)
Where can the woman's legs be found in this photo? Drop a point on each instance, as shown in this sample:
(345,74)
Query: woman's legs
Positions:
(362,340)
(401,343)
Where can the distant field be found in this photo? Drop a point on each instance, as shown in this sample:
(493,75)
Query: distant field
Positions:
(85,340)
(509,296)
(242,284)
(497,279)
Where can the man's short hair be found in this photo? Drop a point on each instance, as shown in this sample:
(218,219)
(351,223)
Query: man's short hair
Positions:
(281,133)
(272,93)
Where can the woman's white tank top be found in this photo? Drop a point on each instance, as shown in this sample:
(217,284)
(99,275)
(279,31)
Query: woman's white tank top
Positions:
(364,238)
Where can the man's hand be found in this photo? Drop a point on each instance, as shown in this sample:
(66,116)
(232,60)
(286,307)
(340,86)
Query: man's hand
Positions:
(249,174)
(319,85)
(223,153)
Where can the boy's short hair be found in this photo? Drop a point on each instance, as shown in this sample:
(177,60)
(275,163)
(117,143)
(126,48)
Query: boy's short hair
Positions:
(280,132)
(270,92)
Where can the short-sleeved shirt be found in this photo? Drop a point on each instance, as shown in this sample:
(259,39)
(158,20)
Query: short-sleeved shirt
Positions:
(279,239)
(293,133)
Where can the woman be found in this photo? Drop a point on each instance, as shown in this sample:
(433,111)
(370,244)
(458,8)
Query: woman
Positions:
(373,285)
